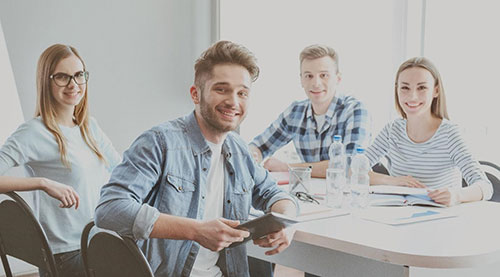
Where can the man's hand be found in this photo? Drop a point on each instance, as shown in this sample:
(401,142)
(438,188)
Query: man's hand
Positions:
(219,233)
(273,164)
(64,193)
(407,181)
(279,240)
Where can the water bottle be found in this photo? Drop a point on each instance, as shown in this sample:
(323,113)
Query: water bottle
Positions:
(360,181)
(336,153)
(335,174)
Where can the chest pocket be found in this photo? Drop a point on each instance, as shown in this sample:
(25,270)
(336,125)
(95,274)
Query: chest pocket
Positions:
(177,196)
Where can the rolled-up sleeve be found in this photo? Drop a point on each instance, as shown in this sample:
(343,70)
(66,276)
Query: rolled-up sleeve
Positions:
(122,206)
(266,191)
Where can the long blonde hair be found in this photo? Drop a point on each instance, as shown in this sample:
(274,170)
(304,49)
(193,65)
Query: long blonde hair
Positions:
(438,106)
(45,106)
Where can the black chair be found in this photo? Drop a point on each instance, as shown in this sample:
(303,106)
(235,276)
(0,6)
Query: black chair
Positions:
(110,255)
(492,171)
(22,237)
(380,168)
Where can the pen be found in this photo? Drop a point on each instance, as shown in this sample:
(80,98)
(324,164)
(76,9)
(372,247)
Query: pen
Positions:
(299,179)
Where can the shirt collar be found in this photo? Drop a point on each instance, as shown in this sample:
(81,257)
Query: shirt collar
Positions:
(336,102)
(199,144)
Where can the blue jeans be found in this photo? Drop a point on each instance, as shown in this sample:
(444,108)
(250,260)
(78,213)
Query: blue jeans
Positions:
(68,264)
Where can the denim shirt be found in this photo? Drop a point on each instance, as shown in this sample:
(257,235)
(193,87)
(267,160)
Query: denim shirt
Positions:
(165,171)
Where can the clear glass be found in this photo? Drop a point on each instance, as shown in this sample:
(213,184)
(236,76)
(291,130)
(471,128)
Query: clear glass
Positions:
(300,179)
(335,183)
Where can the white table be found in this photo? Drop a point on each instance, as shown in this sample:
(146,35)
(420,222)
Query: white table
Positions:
(466,245)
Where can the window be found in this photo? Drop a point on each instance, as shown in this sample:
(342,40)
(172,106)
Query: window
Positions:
(373,38)
(276,32)
(462,41)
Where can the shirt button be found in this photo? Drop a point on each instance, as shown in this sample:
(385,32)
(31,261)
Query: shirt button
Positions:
(180,188)
(203,197)
(204,169)
(244,190)
(231,173)
(229,201)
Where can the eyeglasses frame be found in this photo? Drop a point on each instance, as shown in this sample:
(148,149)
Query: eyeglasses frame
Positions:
(304,196)
(71,77)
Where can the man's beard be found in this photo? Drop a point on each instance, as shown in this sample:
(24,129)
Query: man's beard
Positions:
(210,117)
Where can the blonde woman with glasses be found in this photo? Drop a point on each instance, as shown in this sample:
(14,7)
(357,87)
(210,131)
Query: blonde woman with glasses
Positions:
(64,153)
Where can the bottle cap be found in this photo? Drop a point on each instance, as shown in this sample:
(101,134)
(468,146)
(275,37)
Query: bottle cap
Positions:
(360,150)
(337,138)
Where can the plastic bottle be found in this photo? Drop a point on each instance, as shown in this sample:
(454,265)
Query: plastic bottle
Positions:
(336,153)
(360,181)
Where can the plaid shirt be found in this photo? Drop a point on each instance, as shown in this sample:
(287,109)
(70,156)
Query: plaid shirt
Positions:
(346,117)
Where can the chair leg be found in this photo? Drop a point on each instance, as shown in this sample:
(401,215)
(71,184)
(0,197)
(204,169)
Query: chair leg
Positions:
(6,267)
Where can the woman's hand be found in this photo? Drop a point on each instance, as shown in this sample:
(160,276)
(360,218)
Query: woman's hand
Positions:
(64,193)
(406,181)
(448,197)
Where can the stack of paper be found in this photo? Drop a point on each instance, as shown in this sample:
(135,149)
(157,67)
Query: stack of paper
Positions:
(403,215)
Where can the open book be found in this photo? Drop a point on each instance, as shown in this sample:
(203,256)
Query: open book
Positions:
(383,195)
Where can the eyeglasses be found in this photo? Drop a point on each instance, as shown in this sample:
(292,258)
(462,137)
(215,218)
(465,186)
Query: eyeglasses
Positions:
(63,79)
(304,196)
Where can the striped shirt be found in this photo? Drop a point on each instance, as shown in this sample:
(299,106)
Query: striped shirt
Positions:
(440,162)
(346,116)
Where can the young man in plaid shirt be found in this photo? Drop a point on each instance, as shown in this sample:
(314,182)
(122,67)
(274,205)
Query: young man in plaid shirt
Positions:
(312,123)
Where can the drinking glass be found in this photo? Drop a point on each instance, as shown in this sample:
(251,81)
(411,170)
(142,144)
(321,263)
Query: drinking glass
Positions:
(304,173)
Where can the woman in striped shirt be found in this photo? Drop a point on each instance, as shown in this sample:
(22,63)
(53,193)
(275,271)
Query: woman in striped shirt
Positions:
(423,148)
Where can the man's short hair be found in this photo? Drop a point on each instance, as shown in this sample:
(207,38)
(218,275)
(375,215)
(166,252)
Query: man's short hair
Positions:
(224,52)
(317,51)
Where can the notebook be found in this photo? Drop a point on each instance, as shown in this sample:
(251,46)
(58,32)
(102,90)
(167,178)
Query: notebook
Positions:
(383,195)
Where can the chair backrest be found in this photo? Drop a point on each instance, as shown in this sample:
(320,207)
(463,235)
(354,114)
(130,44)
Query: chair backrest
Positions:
(492,171)
(22,237)
(380,168)
(108,254)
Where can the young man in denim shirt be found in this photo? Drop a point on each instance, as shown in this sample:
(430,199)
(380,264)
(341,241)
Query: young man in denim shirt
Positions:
(184,185)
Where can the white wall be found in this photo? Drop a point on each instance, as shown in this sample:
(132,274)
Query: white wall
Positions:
(140,55)
(10,108)
(9,105)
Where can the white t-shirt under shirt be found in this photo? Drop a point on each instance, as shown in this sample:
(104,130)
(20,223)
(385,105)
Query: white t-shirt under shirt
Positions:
(320,120)
(35,148)
(205,263)
(439,162)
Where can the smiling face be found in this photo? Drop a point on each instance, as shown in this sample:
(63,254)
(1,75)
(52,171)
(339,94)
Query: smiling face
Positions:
(319,78)
(69,96)
(223,103)
(416,90)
